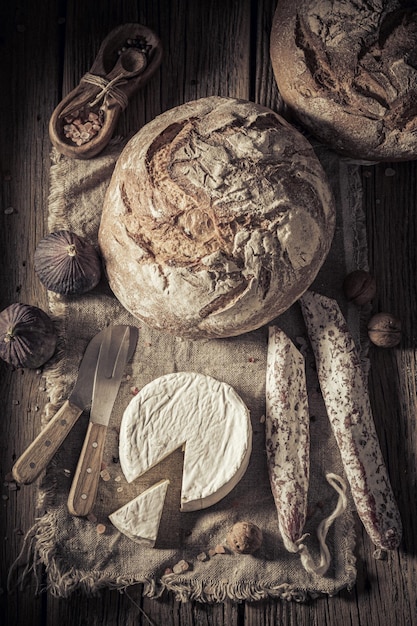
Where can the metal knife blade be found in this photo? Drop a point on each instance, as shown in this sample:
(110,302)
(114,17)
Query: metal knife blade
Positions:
(109,372)
(37,456)
(114,354)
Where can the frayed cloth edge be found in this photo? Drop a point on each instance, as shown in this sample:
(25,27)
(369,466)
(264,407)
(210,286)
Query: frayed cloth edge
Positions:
(38,557)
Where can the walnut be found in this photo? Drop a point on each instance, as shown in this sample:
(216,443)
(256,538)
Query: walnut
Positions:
(359,287)
(384,330)
(244,538)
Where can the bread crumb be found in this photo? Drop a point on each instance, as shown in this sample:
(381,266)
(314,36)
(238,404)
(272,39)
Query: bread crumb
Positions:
(105,475)
(220,549)
(180,567)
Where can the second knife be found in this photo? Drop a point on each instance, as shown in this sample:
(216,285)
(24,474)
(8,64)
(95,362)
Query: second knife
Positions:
(117,345)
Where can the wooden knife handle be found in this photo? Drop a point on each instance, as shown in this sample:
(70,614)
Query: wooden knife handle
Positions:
(37,456)
(84,486)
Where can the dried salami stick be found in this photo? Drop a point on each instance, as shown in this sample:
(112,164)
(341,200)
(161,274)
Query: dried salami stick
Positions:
(348,407)
(287,427)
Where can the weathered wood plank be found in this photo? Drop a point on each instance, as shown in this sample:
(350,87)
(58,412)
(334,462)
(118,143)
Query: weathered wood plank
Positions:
(218,47)
(389,201)
(28,91)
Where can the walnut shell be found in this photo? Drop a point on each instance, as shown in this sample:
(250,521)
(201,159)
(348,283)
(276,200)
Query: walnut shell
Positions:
(359,287)
(245,538)
(67,264)
(27,336)
(384,330)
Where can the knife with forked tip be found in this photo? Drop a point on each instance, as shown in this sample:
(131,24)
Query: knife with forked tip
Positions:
(37,456)
(117,344)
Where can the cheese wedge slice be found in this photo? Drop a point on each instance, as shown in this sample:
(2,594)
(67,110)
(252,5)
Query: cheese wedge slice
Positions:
(196,411)
(139,519)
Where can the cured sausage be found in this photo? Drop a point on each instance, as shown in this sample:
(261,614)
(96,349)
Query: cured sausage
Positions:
(287,435)
(287,429)
(348,407)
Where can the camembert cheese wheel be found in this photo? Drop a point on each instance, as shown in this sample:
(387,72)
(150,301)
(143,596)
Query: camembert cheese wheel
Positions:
(139,519)
(196,411)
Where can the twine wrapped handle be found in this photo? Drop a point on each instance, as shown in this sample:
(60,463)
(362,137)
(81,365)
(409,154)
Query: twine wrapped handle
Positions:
(130,63)
(108,89)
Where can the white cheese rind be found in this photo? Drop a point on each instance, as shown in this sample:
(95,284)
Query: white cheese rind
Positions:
(139,519)
(206,415)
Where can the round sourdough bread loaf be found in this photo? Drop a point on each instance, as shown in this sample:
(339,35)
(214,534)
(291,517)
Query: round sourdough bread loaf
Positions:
(348,72)
(217,218)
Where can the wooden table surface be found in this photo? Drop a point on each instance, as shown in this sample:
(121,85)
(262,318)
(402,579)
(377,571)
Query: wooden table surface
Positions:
(211,47)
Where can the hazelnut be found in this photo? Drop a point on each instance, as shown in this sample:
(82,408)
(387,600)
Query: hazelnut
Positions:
(244,538)
(384,330)
(359,287)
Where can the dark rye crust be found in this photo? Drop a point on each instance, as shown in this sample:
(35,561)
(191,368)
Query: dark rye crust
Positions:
(348,72)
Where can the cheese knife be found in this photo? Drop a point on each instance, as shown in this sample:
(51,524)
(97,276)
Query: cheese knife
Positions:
(113,356)
(37,456)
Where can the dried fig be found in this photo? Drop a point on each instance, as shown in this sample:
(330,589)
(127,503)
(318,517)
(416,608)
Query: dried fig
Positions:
(27,336)
(67,264)
(359,287)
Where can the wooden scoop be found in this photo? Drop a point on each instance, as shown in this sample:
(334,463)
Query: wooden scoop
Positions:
(112,79)
(130,63)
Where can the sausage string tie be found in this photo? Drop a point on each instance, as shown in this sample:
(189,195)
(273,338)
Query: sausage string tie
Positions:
(306,559)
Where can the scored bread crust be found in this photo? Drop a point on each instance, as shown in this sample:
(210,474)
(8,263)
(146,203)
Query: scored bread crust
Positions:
(217,218)
(348,72)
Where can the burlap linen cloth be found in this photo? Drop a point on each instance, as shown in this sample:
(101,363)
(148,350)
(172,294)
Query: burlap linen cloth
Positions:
(74,554)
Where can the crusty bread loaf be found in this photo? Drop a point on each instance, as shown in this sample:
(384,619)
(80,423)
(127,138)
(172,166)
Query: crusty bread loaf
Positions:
(217,218)
(348,72)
